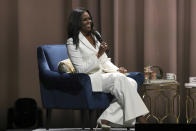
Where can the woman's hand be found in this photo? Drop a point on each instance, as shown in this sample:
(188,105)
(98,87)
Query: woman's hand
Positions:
(103,47)
(122,70)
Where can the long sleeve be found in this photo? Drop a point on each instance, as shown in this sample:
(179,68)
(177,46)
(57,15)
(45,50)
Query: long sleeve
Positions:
(82,63)
(107,65)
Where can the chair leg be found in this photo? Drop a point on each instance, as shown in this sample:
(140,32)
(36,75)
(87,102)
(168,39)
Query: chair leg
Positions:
(48,118)
(83,114)
(92,118)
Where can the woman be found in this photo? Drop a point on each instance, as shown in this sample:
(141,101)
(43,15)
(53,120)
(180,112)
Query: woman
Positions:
(87,55)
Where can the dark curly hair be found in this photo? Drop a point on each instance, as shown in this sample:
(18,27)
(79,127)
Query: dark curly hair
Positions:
(74,24)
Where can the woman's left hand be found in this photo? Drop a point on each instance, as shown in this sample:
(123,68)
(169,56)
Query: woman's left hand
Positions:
(122,70)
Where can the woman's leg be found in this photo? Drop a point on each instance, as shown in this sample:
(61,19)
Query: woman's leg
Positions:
(128,104)
(113,114)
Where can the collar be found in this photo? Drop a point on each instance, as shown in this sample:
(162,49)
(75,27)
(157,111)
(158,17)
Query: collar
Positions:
(83,39)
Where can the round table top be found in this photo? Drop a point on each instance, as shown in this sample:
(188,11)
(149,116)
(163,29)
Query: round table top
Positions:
(162,82)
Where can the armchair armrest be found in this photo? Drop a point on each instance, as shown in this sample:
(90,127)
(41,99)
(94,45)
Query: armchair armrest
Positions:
(137,76)
(64,81)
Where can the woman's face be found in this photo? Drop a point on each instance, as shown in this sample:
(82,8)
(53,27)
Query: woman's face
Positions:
(86,22)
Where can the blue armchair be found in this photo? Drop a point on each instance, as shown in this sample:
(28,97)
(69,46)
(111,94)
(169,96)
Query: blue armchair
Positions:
(68,90)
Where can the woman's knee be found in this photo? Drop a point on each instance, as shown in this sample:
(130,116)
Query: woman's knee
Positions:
(118,76)
(132,82)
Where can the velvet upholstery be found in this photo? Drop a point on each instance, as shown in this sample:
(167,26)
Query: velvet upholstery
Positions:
(69,90)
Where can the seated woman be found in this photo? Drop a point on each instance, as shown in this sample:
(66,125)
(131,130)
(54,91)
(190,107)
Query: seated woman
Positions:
(87,55)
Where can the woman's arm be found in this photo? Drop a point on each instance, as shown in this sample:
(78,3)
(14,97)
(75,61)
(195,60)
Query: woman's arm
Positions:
(108,66)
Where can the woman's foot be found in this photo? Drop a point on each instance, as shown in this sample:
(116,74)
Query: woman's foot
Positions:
(141,120)
(105,122)
(104,125)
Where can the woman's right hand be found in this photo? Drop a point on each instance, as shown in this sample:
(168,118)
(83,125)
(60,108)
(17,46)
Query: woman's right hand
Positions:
(102,48)
(122,70)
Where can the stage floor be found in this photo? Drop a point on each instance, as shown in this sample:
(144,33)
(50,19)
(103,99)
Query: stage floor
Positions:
(71,129)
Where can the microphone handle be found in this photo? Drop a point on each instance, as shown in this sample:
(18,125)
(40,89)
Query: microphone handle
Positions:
(98,36)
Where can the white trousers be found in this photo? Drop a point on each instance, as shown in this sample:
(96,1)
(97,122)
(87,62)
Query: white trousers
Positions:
(127,104)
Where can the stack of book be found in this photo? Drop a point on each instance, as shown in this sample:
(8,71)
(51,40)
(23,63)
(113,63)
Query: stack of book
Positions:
(192,82)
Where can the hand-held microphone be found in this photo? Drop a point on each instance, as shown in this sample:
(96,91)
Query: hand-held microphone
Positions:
(98,36)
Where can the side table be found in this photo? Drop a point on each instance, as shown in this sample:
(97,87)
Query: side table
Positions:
(190,103)
(163,102)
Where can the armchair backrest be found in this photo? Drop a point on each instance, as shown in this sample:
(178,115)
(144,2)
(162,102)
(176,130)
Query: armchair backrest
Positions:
(50,55)
(67,90)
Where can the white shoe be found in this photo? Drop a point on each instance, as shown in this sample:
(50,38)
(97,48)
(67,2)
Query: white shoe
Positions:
(104,127)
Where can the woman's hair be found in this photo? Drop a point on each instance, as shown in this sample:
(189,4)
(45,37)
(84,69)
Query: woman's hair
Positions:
(74,24)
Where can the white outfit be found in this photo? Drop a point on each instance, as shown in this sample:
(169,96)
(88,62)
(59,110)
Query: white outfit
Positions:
(105,78)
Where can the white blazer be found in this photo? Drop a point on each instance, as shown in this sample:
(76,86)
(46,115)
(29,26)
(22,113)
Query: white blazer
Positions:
(84,60)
